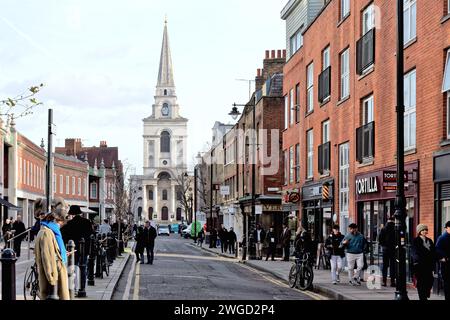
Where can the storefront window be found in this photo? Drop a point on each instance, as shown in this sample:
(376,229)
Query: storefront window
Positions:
(445,213)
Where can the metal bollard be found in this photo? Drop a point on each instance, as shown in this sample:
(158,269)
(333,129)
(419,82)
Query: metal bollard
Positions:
(8,260)
(98,263)
(91,262)
(71,268)
(82,265)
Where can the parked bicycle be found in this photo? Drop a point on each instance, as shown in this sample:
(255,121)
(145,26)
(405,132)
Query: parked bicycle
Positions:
(31,283)
(301,274)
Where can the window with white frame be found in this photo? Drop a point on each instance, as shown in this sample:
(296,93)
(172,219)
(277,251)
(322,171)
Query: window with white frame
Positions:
(344,166)
(325,131)
(93,190)
(67,185)
(54,183)
(31,175)
(286,112)
(79,186)
(85,187)
(296,41)
(410,110)
(448,114)
(310,153)
(367,114)
(292,107)
(24,177)
(291,164)
(297,102)
(345,8)
(325,58)
(446,88)
(286,167)
(73,186)
(345,74)
(310,88)
(409,20)
(368,19)
(61,184)
(20,170)
(448,6)
(28,173)
(297,162)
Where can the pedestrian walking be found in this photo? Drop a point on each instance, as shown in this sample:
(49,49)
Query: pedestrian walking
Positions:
(272,243)
(386,240)
(213,238)
(140,244)
(232,238)
(423,256)
(104,228)
(286,241)
(336,253)
(75,229)
(222,237)
(149,242)
(443,254)
(354,243)
(51,255)
(259,235)
(7,231)
(19,227)
(200,238)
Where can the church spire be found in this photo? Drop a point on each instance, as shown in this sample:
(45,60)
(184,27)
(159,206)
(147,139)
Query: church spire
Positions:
(165,76)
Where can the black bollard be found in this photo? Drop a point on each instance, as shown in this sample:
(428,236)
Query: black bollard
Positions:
(91,262)
(82,265)
(98,263)
(71,268)
(8,260)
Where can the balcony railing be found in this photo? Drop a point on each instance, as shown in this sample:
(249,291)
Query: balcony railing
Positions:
(325,84)
(365,55)
(324,157)
(365,142)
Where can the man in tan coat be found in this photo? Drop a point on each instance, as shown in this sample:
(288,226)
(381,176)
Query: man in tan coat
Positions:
(50,256)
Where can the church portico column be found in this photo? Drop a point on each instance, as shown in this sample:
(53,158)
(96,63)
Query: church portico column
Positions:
(144,202)
(173,200)
(155,196)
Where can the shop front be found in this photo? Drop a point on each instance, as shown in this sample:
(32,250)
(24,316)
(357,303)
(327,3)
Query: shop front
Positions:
(375,198)
(318,214)
(441,177)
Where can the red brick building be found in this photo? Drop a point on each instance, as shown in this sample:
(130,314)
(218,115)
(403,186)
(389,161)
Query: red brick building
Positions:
(346,73)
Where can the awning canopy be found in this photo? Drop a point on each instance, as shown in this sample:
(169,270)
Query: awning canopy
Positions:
(10,206)
(87,210)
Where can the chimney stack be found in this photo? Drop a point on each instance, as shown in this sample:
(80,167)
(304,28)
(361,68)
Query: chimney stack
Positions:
(103,144)
(273,54)
(278,54)
(267,54)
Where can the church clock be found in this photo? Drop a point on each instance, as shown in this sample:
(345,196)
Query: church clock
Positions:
(165,110)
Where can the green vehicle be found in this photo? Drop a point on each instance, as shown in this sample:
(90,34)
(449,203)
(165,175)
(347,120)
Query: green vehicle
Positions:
(195,229)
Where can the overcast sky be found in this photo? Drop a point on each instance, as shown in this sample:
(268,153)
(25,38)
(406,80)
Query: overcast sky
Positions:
(99,63)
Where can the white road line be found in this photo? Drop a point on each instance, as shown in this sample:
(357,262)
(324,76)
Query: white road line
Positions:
(129,280)
(136,283)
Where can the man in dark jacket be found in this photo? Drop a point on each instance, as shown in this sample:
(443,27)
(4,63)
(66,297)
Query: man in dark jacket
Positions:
(336,252)
(223,238)
(286,240)
(77,228)
(149,241)
(386,239)
(272,244)
(19,227)
(213,238)
(443,254)
(259,235)
(232,238)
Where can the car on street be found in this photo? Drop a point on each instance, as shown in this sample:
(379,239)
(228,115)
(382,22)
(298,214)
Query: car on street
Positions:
(163,229)
(186,233)
(174,228)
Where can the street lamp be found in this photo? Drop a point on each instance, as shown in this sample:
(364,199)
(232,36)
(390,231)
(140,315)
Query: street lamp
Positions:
(234,114)
(400,201)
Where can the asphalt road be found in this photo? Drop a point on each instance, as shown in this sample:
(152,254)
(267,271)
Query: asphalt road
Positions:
(183,272)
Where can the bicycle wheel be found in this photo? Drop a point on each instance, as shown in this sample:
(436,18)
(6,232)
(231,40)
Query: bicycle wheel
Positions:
(293,276)
(306,277)
(30,284)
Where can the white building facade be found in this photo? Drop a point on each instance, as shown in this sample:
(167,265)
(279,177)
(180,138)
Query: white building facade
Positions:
(156,194)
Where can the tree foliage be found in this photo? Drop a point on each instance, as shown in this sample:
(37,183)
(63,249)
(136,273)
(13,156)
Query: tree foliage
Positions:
(20,105)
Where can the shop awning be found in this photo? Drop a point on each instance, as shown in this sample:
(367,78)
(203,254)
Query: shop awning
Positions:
(87,210)
(10,206)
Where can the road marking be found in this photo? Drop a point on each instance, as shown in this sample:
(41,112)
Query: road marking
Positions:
(186,256)
(280,283)
(136,282)
(129,280)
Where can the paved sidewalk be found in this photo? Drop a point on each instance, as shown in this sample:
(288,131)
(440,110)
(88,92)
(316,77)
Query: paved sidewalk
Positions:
(322,281)
(104,288)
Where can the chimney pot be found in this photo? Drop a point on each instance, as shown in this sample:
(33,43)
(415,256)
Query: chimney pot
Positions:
(267,54)
(284,53)
(279,54)
(273,54)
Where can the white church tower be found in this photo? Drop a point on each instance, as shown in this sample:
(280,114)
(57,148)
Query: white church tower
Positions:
(165,143)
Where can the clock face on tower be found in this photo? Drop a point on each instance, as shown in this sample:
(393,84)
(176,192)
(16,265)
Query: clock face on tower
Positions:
(165,109)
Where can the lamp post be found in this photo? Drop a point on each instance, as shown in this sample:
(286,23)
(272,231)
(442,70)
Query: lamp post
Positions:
(400,202)
(234,114)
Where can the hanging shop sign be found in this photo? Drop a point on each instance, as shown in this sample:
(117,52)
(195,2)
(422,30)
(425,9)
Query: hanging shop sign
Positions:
(294,197)
(225,190)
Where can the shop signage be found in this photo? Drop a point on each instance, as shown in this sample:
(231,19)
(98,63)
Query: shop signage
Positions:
(272,207)
(391,176)
(294,197)
(367,185)
(225,190)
